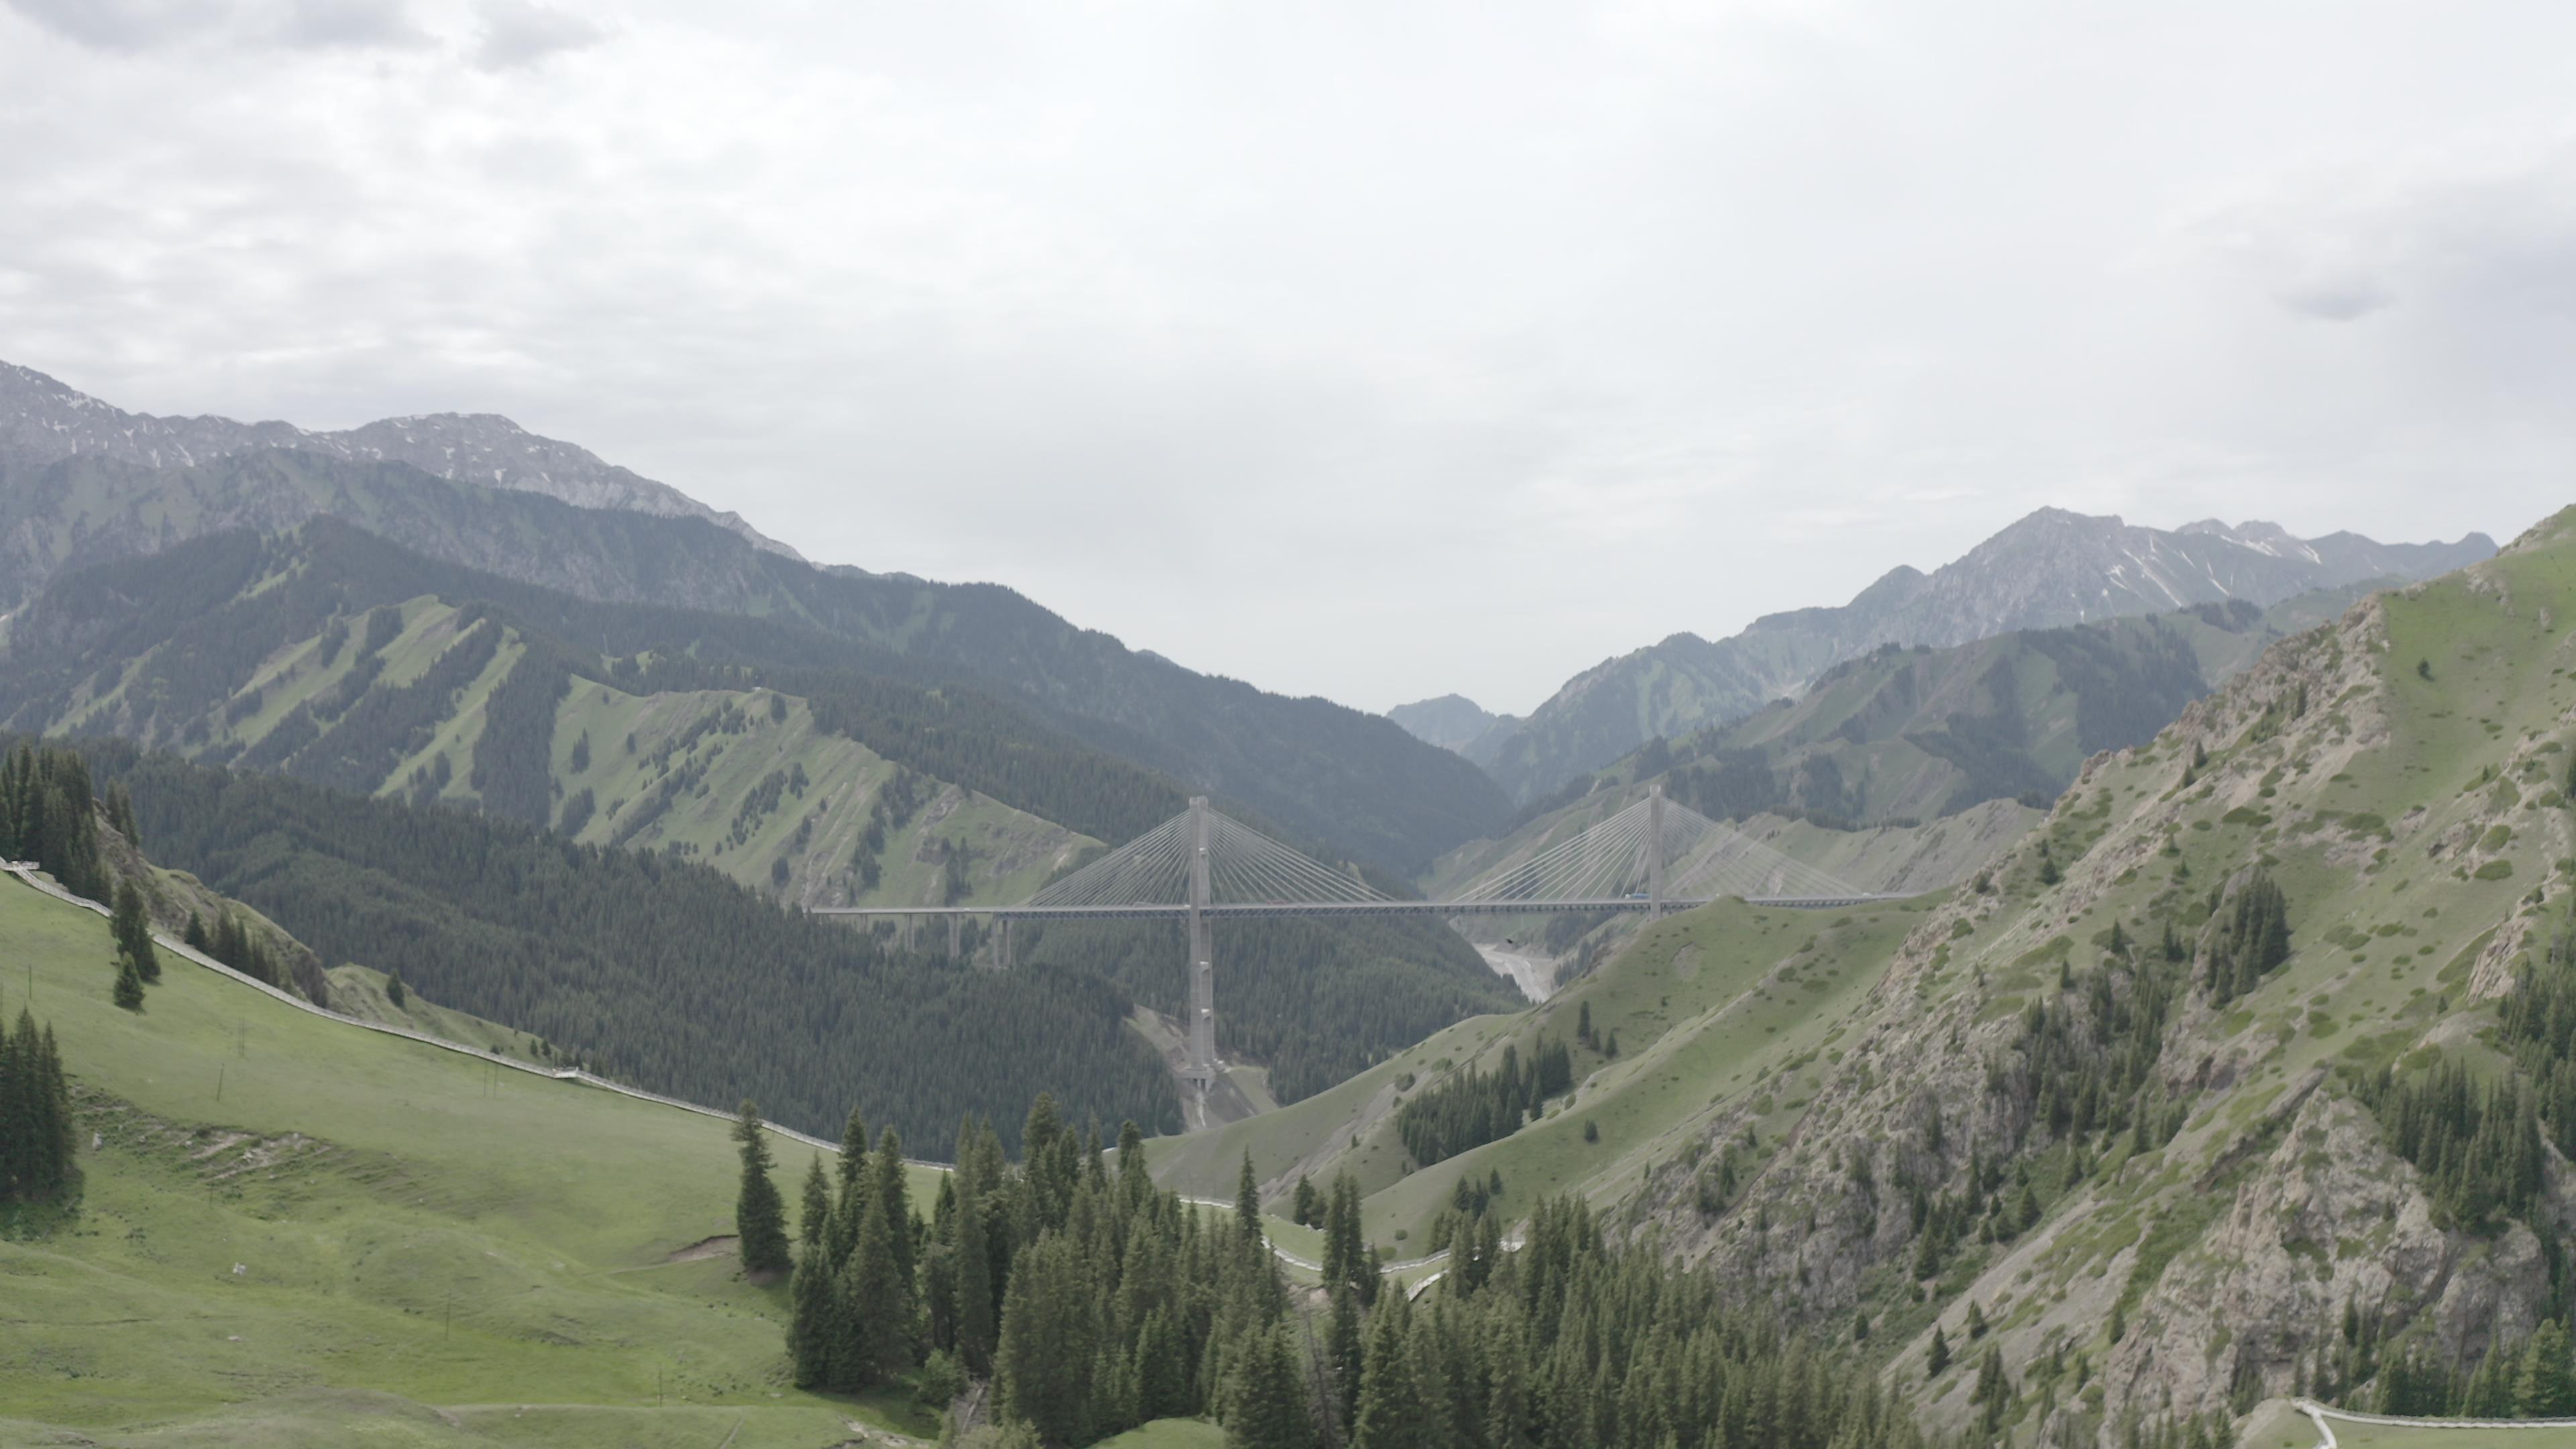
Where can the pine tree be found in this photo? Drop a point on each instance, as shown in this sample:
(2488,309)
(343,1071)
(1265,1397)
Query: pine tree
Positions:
(131,925)
(977,1327)
(128,992)
(876,1303)
(1347,1350)
(1936,1357)
(1266,1408)
(816,1214)
(759,1214)
(1976,1321)
(812,1323)
(1247,1207)
(1134,1181)
(1392,1414)
(1306,1207)
(892,1197)
(1042,1369)
(854,1151)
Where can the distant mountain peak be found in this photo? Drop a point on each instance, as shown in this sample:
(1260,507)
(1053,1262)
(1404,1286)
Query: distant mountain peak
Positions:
(1452,721)
(43,419)
(2048,568)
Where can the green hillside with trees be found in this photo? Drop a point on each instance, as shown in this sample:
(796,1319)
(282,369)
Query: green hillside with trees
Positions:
(2242,1076)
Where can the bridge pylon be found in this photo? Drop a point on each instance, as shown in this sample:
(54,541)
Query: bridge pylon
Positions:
(1201,1069)
(1655,851)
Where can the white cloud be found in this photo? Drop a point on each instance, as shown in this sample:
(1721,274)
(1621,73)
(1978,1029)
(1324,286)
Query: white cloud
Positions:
(1368,350)
(519,33)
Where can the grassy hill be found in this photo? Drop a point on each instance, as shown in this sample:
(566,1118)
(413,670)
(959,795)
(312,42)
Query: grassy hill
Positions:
(294,1231)
(2161,1160)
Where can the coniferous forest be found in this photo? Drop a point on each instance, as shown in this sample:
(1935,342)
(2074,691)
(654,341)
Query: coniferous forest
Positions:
(1095,1303)
(47,816)
(636,965)
(1314,1001)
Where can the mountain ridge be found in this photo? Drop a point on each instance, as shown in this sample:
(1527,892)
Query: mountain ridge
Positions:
(2051,568)
(43,420)
(1330,772)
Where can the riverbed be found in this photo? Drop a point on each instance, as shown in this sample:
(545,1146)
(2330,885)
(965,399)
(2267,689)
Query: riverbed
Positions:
(1530,976)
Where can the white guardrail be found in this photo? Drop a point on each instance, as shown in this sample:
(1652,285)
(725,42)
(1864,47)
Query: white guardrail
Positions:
(28,874)
(2318,1414)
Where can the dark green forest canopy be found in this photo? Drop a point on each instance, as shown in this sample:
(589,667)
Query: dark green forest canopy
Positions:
(662,972)
(1315,1001)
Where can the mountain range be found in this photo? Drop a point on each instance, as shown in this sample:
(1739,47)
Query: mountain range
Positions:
(2050,569)
(44,421)
(1355,783)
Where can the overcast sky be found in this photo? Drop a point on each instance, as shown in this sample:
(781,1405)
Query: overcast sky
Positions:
(1372,350)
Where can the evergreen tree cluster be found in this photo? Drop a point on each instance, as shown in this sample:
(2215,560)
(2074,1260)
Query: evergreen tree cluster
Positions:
(2533,1378)
(138,963)
(2479,1148)
(1471,1108)
(1096,1303)
(37,1155)
(2089,1051)
(2539,1020)
(2253,938)
(1091,1300)
(1571,1344)
(48,815)
(232,941)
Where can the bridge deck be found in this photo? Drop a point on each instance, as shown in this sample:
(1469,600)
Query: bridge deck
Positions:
(1256,909)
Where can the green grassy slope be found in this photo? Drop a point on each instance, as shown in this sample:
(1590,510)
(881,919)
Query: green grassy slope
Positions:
(723,745)
(404,1220)
(1718,1009)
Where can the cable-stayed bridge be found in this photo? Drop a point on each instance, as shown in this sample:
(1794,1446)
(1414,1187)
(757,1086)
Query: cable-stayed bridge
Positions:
(1201,866)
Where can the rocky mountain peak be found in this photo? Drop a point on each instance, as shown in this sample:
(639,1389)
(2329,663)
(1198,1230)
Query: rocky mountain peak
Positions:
(43,420)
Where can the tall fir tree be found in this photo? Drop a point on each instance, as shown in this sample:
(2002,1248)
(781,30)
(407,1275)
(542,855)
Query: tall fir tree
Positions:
(131,925)
(814,1216)
(759,1214)
(128,990)
(1266,1408)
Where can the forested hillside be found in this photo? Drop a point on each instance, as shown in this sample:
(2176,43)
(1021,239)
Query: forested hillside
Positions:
(1311,1001)
(657,970)
(2244,1075)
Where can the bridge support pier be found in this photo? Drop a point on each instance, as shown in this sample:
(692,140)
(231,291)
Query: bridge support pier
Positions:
(1002,941)
(1654,852)
(1201,1067)
(956,936)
